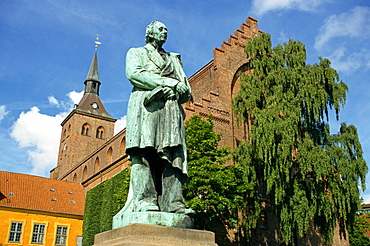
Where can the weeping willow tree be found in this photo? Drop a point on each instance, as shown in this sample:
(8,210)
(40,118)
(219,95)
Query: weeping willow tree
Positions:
(309,174)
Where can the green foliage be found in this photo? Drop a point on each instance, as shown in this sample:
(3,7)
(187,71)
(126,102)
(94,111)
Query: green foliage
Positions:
(102,203)
(360,227)
(309,174)
(215,191)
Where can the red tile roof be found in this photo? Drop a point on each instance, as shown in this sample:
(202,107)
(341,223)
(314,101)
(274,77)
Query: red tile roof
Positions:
(42,194)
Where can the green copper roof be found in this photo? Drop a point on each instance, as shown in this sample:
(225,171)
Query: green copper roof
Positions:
(94,72)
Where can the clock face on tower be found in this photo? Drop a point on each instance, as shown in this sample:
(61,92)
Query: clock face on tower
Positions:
(94,105)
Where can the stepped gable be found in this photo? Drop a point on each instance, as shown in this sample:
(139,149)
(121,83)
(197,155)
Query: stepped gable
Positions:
(241,36)
(226,61)
(215,84)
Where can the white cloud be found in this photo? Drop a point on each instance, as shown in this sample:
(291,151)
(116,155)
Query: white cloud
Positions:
(343,60)
(339,37)
(283,37)
(40,133)
(3,112)
(366,198)
(260,7)
(120,124)
(53,100)
(354,23)
(75,96)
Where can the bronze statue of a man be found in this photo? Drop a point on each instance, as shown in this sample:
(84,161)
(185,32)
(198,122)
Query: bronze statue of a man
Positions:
(155,134)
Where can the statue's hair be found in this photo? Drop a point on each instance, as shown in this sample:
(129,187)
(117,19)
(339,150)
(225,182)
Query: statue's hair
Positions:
(149,30)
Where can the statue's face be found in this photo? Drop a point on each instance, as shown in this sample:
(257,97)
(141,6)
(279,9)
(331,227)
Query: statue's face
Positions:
(160,32)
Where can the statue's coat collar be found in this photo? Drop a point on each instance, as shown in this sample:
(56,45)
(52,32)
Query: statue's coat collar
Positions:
(154,56)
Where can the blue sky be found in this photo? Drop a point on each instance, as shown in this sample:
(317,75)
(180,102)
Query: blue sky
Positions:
(47,47)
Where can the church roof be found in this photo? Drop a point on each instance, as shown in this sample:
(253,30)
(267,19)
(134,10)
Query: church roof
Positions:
(23,191)
(92,105)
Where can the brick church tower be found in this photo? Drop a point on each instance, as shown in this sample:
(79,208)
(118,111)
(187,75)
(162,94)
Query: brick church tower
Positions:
(86,128)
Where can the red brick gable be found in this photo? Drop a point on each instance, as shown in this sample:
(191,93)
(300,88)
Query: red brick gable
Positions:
(41,194)
(214,85)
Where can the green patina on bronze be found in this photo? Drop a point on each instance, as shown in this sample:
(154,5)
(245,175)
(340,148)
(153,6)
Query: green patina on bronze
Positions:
(155,133)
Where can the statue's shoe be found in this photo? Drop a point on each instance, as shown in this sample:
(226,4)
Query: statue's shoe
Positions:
(144,206)
(149,208)
(187,211)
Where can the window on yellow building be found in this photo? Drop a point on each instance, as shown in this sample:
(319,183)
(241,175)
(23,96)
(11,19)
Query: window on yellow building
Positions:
(61,237)
(15,232)
(38,233)
(79,241)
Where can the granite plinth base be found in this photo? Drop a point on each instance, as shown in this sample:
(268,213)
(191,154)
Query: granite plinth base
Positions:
(154,235)
(153,218)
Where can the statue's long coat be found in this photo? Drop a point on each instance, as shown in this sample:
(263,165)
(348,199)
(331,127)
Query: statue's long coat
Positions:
(153,121)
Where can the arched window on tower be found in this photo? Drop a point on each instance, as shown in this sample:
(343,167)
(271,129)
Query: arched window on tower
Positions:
(96,165)
(84,175)
(109,155)
(85,129)
(100,132)
(75,178)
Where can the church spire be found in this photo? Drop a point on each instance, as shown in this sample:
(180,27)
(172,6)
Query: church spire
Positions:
(92,82)
(90,102)
(94,72)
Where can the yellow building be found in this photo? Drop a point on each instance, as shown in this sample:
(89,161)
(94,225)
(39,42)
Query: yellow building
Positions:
(40,211)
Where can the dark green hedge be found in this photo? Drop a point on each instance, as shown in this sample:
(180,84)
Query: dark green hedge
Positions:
(102,203)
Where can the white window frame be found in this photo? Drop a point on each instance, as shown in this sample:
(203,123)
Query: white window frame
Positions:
(38,233)
(15,232)
(79,241)
(61,235)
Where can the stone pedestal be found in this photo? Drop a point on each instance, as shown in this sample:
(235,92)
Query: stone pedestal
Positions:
(154,235)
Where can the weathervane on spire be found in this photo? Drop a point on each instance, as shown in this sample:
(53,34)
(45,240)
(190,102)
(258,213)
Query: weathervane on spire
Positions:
(97,42)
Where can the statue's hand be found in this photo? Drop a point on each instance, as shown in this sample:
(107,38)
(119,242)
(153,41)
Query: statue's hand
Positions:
(181,88)
(168,93)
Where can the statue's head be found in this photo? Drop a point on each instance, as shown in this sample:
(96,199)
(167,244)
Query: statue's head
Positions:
(156,31)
